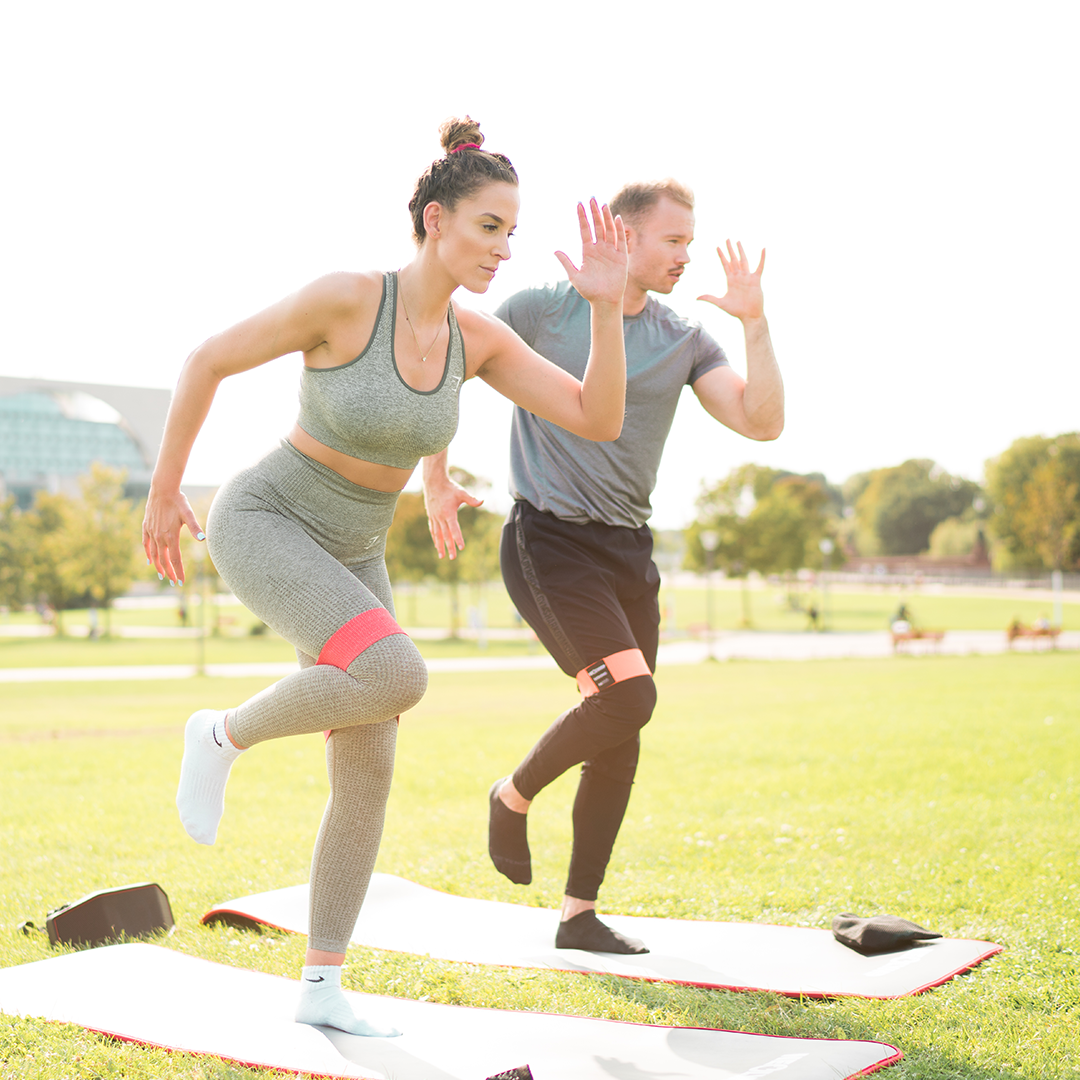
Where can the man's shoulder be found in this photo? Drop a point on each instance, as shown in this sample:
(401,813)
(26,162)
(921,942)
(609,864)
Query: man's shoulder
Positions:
(545,295)
(662,316)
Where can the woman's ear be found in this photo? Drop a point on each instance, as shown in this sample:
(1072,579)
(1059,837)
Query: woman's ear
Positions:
(433,214)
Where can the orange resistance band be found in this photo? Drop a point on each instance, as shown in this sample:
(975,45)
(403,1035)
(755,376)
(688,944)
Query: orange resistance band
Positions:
(346,644)
(618,667)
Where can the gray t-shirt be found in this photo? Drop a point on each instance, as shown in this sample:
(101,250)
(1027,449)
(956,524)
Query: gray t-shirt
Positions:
(576,479)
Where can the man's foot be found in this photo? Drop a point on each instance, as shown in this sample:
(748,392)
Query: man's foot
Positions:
(586,931)
(322,1002)
(508,840)
(208,757)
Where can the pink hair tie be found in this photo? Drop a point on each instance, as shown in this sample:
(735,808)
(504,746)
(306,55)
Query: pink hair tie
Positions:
(466,146)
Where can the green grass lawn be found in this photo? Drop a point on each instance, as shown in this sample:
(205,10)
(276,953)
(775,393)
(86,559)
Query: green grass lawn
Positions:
(942,789)
(429,606)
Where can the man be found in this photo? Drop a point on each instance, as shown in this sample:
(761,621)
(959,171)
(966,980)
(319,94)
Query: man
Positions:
(576,550)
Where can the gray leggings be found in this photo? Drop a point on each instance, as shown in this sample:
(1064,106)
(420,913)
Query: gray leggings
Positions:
(302,548)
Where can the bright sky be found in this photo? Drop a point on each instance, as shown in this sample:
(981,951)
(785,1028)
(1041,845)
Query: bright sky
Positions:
(911,169)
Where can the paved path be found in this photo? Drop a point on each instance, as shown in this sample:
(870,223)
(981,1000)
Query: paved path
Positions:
(734,645)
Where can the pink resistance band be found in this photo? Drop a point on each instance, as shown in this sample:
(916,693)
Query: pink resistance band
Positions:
(358,634)
(346,644)
(618,667)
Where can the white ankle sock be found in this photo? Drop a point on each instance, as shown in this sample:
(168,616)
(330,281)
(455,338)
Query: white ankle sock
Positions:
(322,1002)
(208,757)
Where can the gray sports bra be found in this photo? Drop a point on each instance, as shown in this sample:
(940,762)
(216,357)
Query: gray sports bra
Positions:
(366,409)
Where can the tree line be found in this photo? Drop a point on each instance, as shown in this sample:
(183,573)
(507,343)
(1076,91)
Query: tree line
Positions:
(1025,516)
(70,551)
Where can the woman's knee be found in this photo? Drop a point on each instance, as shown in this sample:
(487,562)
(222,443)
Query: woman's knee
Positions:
(394,669)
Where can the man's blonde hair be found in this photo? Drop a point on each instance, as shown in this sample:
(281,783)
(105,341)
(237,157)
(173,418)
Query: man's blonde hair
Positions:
(635,201)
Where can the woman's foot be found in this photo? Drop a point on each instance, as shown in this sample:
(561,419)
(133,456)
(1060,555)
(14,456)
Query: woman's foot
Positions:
(322,1002)
(508,840)
(208,757)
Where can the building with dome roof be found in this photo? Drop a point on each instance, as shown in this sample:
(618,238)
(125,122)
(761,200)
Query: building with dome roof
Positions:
(51,433)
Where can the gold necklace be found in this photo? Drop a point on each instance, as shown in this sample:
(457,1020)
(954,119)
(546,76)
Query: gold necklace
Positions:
(423,354)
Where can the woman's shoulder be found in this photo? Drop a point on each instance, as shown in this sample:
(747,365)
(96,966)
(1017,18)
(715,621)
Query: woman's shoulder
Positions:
(344,289)
(477,323)
(484,336)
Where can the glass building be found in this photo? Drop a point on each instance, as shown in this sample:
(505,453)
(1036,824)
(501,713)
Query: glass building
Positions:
(51,433)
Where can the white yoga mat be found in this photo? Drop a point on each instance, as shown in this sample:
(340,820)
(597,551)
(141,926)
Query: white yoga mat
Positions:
(402,916)
(158,997)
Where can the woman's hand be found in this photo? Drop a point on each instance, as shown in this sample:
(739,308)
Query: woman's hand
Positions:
(165,516)
(602,277)
(442,500)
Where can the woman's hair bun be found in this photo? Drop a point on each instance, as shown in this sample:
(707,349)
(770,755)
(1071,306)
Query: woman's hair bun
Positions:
(455,133)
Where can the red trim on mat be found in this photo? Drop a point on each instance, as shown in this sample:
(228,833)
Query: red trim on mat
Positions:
(238,1061)
(135,1041)
(347,643)
(815,995)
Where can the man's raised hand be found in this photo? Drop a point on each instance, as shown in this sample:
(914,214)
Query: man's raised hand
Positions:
(744,298)
(602,277)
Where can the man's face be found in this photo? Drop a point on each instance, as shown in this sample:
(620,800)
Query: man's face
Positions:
(659,246)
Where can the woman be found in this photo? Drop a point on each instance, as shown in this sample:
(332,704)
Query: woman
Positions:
(300,536)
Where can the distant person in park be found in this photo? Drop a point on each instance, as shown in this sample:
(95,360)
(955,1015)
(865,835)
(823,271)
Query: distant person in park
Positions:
(300,536)
(576,549)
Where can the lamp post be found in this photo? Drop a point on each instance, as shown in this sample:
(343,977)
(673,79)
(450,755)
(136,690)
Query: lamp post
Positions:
(826,547)
(198,553)
(710,539)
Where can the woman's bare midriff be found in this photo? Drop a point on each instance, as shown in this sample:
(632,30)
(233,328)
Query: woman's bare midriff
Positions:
(362,473)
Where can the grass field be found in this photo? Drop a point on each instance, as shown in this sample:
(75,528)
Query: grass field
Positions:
(943,789)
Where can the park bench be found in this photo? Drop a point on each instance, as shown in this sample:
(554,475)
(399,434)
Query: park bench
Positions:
(912,634)
(1019,630)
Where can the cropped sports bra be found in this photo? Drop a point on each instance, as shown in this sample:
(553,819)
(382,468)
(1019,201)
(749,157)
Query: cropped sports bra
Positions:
(366,409)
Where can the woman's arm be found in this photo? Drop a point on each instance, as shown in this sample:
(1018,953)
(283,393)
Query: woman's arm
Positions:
(594,407)
(299,323)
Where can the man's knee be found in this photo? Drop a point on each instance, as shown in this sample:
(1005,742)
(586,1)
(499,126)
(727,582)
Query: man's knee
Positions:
(630,702)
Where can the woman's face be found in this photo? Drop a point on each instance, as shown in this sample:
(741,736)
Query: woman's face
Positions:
(474,237)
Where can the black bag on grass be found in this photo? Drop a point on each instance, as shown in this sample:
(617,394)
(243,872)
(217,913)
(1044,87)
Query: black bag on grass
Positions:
(881,933)
(132,911)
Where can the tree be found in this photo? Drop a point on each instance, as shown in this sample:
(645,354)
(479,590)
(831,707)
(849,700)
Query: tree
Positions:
(478,563)
(760,519)
(110,532)
(15,581)
(58,565)
(410,554)
(1050,514)
(899,507)
(787,525)
(1035,486)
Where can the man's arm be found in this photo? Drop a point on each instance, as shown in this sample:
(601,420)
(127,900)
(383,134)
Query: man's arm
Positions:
(753,406)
